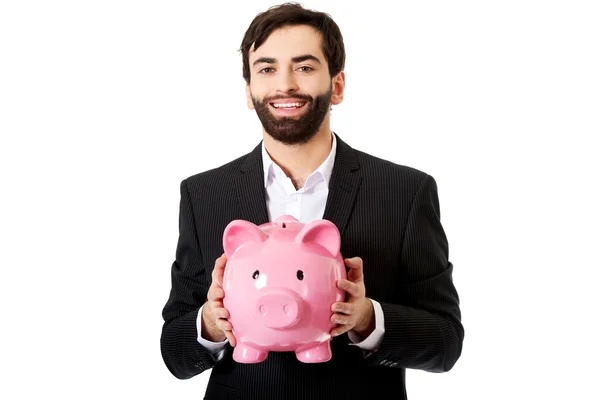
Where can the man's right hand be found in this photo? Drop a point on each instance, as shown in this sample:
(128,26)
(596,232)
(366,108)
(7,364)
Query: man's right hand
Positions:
(215,324)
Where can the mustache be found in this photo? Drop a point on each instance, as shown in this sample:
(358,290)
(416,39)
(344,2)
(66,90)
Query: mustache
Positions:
(302,97)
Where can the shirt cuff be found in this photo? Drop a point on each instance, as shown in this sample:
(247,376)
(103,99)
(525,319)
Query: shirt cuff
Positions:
(372,342)
(215,348)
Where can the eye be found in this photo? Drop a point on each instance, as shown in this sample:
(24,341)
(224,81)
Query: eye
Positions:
(255,274)
(265,70)
(305,69)
(300,274)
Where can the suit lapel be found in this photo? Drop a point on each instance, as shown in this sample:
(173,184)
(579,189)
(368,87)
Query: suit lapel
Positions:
(250,188)
(343,187)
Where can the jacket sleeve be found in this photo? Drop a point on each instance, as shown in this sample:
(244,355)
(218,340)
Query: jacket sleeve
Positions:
(423,330)
(181,351)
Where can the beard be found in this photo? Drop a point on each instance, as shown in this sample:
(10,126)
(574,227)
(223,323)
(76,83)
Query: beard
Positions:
(294,130)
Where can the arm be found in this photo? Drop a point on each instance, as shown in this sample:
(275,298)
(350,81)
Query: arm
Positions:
(423,329)
(183,355)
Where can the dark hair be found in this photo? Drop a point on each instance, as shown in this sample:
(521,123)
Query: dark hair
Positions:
(291,14)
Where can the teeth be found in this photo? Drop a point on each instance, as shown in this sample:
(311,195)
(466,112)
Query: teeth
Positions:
(288,105)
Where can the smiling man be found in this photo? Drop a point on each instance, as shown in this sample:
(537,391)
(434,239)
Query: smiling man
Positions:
(401,309)
(289,84)
(292,93)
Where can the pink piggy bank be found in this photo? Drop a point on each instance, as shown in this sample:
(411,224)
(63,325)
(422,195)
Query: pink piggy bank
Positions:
(280,283)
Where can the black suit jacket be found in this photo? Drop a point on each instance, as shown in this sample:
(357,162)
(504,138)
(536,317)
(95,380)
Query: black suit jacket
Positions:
(389,216)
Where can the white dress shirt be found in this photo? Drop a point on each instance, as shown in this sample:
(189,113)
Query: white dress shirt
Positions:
(305,204)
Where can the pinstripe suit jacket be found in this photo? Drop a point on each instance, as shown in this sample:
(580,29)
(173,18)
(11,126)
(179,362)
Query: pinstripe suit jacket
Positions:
(389,216)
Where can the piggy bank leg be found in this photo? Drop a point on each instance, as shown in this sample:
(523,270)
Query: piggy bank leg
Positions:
(317,354)
(243,353)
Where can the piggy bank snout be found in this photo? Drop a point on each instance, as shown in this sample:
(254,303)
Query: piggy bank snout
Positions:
(279,308)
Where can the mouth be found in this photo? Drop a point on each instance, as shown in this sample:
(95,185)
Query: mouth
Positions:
(288,107)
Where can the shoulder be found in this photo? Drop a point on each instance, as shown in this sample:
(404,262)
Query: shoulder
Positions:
(374,168)
(217,177)
(396,184)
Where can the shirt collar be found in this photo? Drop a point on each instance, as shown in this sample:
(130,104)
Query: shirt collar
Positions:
(325,169)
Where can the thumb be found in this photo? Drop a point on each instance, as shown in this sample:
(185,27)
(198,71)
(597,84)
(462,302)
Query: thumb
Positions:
(354,262)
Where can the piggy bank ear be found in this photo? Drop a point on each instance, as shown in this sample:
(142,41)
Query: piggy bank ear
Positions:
(321,232)
(239,232)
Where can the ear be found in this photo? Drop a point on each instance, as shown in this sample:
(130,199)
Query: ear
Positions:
(339,84)
(321,232)
(249,102)
(239,232)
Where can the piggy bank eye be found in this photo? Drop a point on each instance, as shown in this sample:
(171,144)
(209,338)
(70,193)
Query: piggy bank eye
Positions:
(255,274)
(300,274)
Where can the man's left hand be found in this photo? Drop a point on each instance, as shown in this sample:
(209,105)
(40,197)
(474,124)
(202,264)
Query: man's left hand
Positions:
(357,312)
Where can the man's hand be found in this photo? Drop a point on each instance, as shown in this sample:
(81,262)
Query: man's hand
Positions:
(357,312)
(215,326)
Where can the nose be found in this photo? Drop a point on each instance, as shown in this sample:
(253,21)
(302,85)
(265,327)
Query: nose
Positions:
(287,82)
(279,308)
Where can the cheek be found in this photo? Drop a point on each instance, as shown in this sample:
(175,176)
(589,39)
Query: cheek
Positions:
(259,87)
(318,84)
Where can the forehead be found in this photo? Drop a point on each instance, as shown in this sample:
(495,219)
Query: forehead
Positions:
(290,41)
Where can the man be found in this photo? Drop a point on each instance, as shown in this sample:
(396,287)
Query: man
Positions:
(402,309)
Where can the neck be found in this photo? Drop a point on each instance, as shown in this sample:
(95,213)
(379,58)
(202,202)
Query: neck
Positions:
(299,161)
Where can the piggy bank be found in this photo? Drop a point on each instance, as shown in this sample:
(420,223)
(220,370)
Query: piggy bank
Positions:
(279,283)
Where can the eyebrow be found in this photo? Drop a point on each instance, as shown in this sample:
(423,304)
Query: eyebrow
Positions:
(297,59)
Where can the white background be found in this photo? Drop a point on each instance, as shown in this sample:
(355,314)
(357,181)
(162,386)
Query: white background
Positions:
(105,106)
